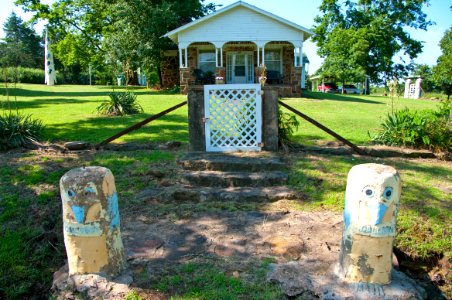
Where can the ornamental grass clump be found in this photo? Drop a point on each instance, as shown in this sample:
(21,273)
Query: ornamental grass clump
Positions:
(119,104)
(16,130)
(426,129)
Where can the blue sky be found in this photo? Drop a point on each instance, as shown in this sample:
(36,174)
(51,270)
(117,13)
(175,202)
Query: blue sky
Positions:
(303,13)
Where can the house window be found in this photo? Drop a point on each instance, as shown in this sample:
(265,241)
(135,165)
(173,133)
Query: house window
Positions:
(273,60)
(206,60)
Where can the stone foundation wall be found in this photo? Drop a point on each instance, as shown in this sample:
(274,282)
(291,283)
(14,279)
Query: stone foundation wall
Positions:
(186,77)
(170,71)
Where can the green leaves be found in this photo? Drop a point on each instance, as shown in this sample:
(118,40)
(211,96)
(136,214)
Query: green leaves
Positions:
(419,129)
(382,27)
(17,129)
(442,73)
(120,103)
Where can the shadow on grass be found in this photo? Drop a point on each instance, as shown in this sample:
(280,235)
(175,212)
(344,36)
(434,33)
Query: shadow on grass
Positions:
(94,130)
(36,103)
(95,91)
(338,97)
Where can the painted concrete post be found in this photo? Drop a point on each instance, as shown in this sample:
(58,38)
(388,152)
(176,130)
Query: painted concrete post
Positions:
(372,201)
(91,221)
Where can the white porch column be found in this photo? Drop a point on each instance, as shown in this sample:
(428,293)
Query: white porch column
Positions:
(186,58)
(303,72)
(216,57)
(219,50)
(181,64)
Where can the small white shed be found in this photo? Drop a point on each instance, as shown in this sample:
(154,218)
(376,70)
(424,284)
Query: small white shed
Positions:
(233,42)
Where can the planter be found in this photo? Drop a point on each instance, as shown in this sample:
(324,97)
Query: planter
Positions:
(219,81)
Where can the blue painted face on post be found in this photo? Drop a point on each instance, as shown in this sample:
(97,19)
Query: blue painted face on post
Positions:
(79,213)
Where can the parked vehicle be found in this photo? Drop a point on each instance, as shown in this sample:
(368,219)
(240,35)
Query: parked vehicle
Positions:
(327,87)
(349,89)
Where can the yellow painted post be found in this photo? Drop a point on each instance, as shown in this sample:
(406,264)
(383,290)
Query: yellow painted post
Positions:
(91,221)
(372,200)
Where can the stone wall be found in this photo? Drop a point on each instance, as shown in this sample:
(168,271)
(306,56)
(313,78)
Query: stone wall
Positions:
(186,77)
(170,70)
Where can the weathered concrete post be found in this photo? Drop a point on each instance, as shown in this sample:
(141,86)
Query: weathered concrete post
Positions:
(372,201)
(91,221)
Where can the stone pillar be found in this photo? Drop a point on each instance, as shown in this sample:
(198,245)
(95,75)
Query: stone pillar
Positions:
(295,81)
(270,119)
(91,222)
(407,88)
(418,88)
(372,201)
(196,126)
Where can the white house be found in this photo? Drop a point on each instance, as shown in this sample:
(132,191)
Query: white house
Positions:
(233,42)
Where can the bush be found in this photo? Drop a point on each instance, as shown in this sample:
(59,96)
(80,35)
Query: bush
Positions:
(25,75)
(120,103)
(418,129)
(16,130)
(287,125)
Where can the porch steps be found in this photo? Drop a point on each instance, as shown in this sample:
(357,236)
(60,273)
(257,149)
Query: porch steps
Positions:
(235,179)
(240,176)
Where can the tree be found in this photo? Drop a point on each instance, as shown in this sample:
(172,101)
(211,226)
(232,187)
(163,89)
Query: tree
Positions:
(423,70)
(442,72)
(128,31)
(384,23)
(346,51)
(22,47)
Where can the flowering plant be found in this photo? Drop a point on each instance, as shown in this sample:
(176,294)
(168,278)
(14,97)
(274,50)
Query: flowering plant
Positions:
(219,78)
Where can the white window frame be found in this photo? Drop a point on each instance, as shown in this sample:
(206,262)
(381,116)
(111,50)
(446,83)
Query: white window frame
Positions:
(269,49)
(206,49)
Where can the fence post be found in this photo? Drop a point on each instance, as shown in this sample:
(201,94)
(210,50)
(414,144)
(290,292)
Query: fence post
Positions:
(372,200)
(91,221)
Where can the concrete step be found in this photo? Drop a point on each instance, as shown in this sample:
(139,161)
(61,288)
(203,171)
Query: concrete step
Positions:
(232,162)
(235,179)
(237,194)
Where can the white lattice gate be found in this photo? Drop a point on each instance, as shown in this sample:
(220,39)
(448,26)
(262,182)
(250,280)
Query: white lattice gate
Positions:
(233,115)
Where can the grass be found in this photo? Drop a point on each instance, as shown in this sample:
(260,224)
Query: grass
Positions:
(69,113)
(31,242)
(353,117)
(425,218)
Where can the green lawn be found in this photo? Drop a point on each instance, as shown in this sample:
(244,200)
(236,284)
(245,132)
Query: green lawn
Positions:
(69,112)
(31,243)
(352,117)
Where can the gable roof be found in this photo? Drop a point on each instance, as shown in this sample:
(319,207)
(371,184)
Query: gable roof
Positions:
(174,33)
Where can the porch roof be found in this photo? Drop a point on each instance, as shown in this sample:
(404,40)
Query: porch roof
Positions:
(219,27)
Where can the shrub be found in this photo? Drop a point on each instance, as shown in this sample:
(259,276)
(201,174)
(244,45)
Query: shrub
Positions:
(287,125)
(25,75)
(16,130)
(418,129)
(120,103)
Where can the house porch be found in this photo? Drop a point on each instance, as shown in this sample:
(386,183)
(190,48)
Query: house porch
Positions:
(238,62)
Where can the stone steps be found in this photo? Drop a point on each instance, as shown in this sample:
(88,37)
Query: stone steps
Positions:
(237,194)
(238,176)
(235,179)
(231,162)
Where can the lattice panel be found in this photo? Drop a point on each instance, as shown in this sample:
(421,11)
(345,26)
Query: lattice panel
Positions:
(233,114)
